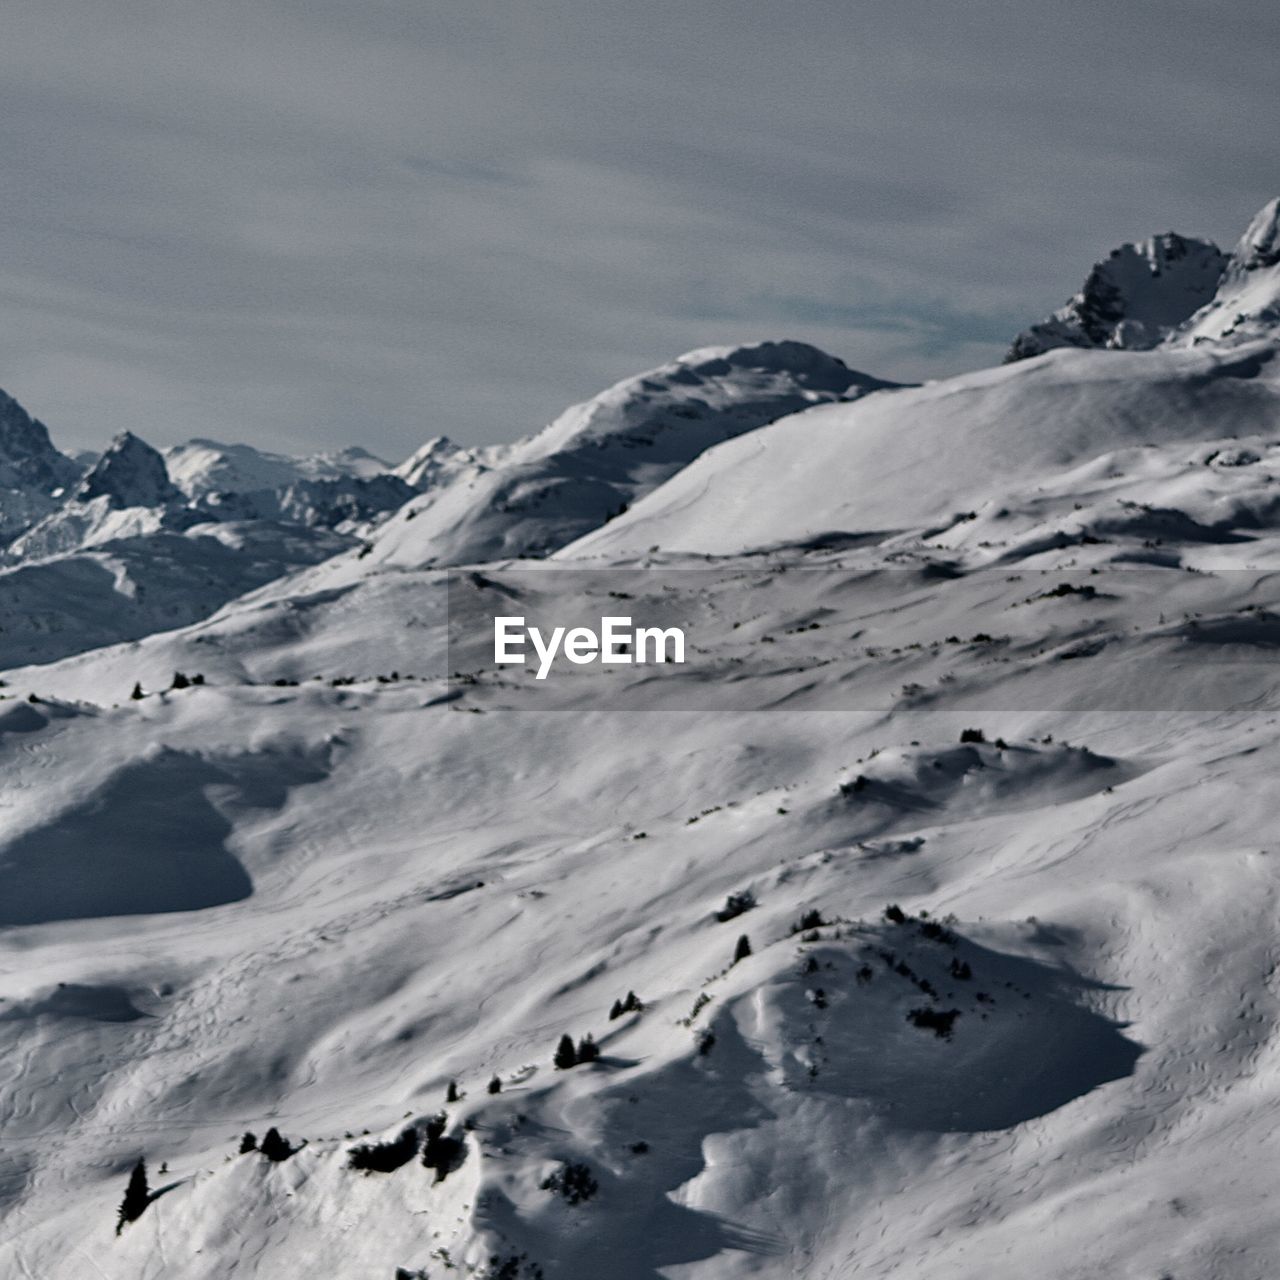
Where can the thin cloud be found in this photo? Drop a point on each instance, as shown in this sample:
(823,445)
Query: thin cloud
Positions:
(305,224)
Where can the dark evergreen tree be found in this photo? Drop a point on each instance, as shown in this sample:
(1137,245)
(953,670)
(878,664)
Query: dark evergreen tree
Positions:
(495,1085)
(137,1196)
(812,919)
(180,681)
(439,1151)
(736,904)
(385,1157)
(742,950)
(248,1143)
(632,1003)
(566,1055)
(276,1147)
(136,695)
(451,1093)
(588,1050)
(616,1011)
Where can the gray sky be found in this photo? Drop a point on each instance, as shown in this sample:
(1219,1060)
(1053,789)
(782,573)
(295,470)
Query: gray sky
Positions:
(304,223)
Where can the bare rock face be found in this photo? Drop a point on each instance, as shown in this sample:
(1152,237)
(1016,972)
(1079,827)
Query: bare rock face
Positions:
(130,474)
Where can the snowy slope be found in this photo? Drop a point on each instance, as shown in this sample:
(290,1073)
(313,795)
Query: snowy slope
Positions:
(1247,301)
(598,457)
(922,456)
(976,750)
(328,902)
(204,467)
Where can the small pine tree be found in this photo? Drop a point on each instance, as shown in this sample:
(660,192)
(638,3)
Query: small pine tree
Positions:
(276,1147)
(566,1055)
(180,681)
(248,1143)
(451,1094)
(742,950)
(616,1011)
(632,1003)
(588,1050)
(137,1196)
(136,695)
(495,1085)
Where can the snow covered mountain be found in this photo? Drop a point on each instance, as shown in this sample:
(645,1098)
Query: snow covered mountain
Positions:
(1133,299)
(201,468)
(1247,302)
(922,924)
(33,474)
(530,498)
(929,457)
(436,462)
(115,550)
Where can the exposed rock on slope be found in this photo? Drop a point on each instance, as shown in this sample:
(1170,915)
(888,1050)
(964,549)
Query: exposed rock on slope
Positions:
(1133,299)
(33,474)
(130,474)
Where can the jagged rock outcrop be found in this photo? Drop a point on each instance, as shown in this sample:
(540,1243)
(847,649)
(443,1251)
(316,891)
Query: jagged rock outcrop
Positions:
(129,474)
(1133,300)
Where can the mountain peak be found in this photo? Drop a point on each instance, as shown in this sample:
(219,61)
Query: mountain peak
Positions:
(1259,247)
(130,473)
(1133,299)
(28,458)
(1246,304)
(807,365)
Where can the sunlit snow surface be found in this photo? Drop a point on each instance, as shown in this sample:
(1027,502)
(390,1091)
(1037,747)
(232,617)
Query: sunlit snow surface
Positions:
(357,863)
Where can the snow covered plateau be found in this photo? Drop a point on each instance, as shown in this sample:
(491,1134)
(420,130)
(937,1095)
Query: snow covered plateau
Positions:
(923,924)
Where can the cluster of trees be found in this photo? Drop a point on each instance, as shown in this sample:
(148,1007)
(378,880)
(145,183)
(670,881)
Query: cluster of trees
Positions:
(630,1005)
(385,1157)
(568,1055)
(180,681)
